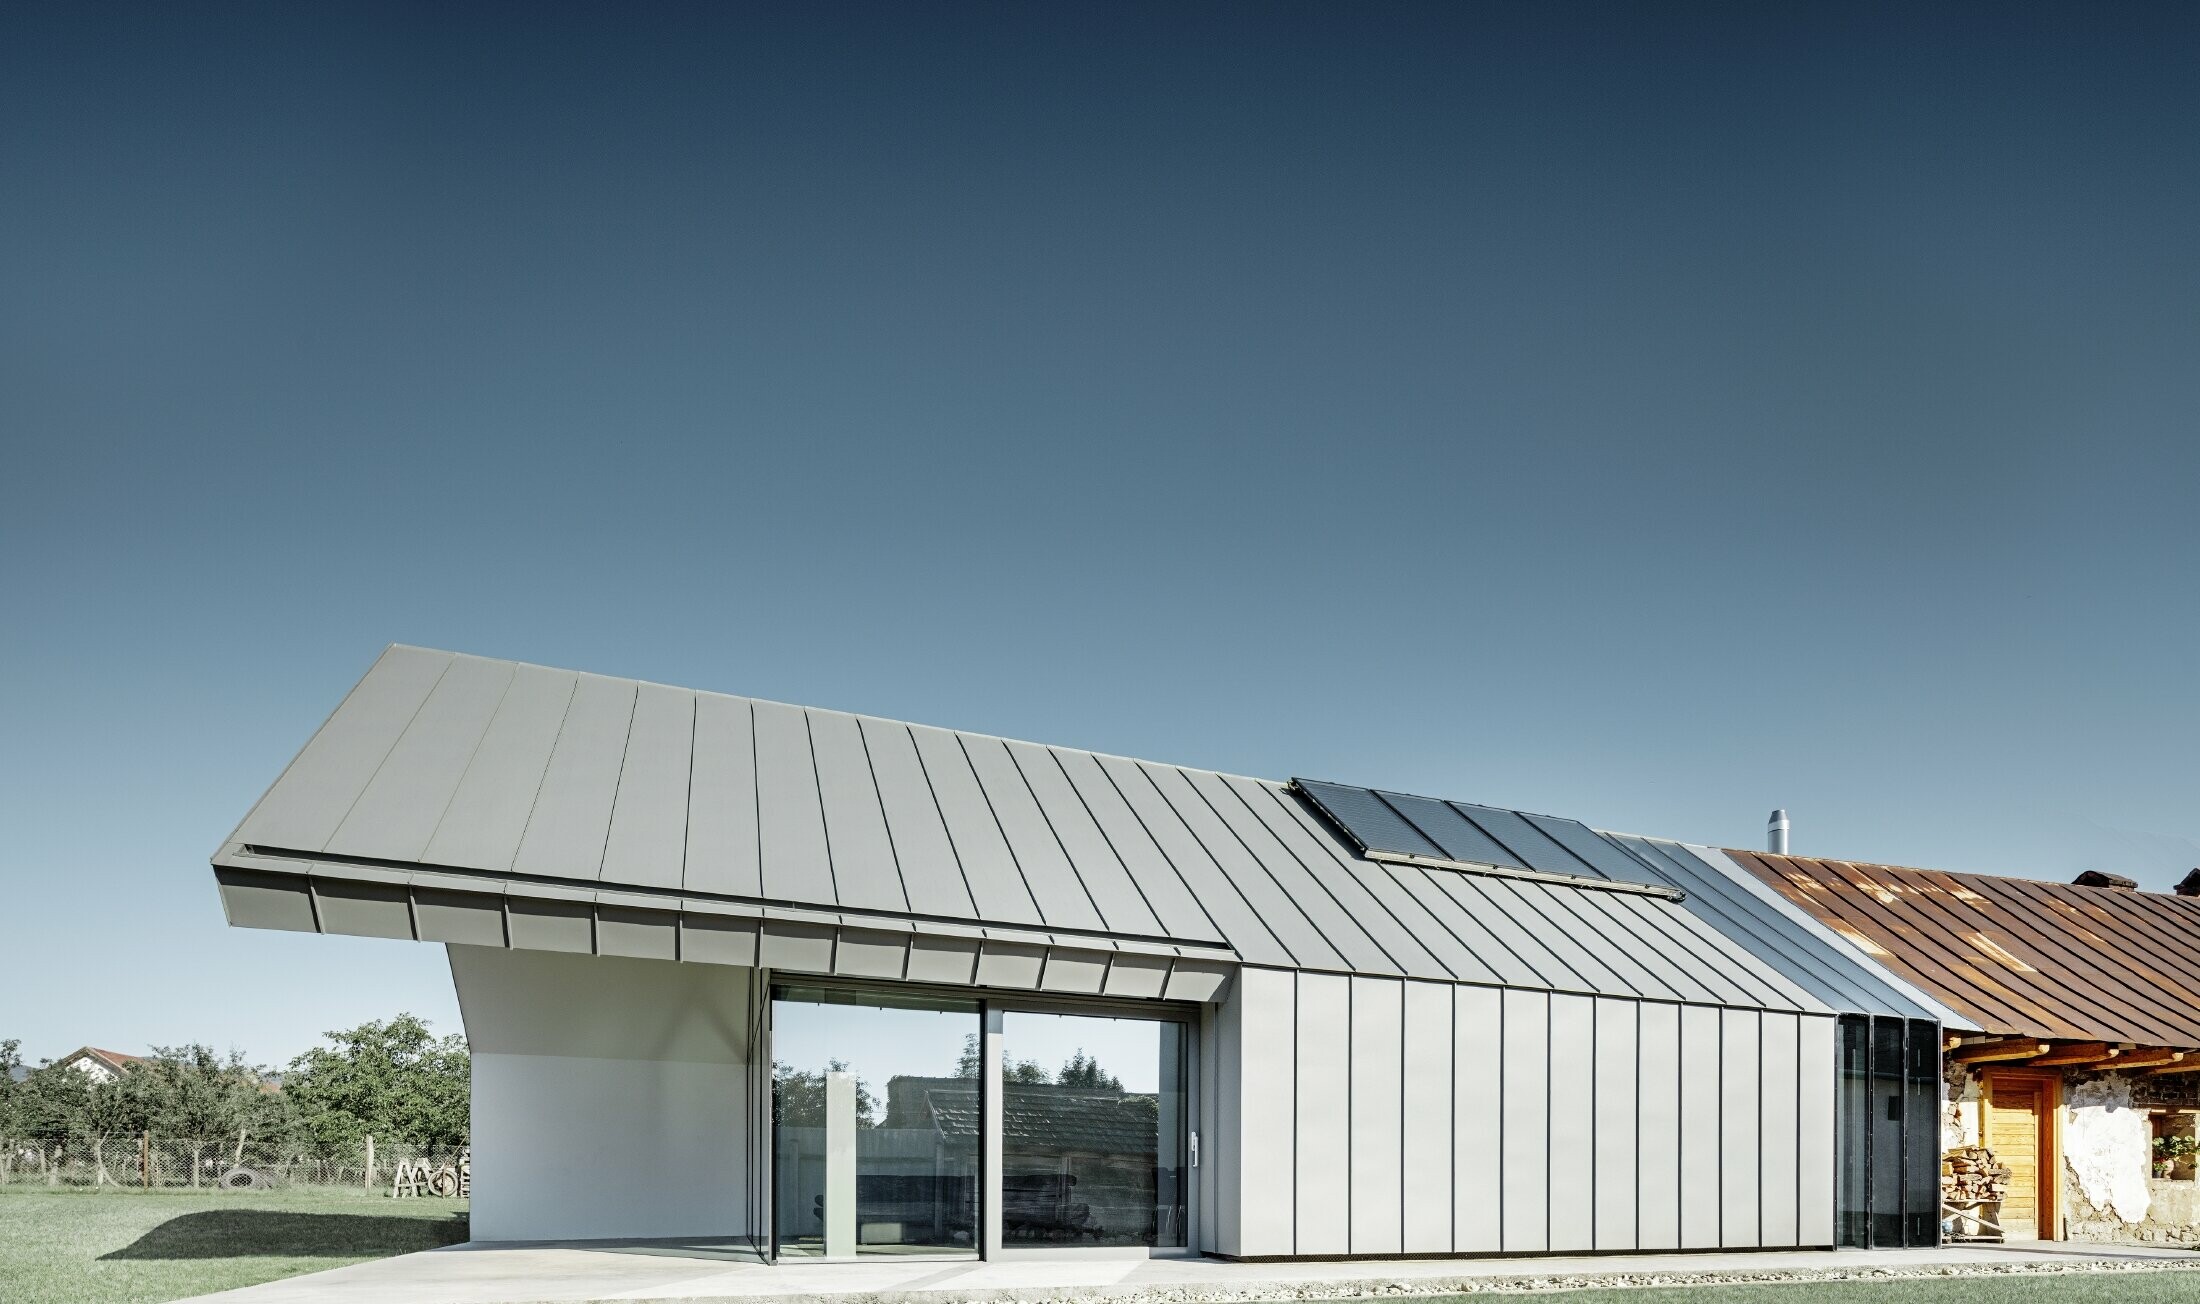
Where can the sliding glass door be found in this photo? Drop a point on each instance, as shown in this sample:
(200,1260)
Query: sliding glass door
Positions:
(1092,1130)
(875,1101)
(902,1126)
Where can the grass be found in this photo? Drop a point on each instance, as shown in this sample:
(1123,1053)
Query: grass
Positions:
(2063,1288)
(107,1247)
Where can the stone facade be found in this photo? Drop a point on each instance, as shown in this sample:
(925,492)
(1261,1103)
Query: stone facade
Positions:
(2108,1191)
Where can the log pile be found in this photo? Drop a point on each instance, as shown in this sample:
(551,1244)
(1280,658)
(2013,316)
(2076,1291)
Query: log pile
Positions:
(1971,1175)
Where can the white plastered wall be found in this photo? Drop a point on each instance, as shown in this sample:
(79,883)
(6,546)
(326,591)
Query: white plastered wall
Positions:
(610,1095)
(1373,1116)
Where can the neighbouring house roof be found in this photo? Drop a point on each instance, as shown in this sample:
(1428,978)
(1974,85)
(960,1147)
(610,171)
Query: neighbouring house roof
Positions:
(2018,956)
(114,1061)
(445,779)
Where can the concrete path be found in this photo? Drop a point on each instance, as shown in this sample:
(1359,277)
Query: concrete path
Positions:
(490,1274)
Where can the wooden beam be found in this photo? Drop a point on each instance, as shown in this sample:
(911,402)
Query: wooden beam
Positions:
(2189,1064)
(2082,1052)
(2147,1059)
(1988,1052)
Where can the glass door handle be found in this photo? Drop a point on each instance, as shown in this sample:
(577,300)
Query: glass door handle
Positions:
(1195,1149)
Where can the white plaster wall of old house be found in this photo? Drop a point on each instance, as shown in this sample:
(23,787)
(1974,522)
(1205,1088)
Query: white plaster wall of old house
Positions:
(2108,1185)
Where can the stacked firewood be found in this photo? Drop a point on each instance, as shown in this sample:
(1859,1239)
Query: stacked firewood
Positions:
(1971,1175)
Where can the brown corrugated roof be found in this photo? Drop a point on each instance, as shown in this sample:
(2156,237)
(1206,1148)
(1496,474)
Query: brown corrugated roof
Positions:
(2018,956)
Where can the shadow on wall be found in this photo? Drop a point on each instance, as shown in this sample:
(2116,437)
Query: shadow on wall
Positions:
(262,1233)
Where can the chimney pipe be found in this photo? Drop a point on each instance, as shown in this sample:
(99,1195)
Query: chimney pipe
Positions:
(2190,886)
(1776,833)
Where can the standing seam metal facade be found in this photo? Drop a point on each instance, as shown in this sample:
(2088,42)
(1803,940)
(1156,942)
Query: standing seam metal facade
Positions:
(1394,1116)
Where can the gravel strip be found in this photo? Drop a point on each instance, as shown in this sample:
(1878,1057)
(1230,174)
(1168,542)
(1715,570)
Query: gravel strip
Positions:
(1265,1292)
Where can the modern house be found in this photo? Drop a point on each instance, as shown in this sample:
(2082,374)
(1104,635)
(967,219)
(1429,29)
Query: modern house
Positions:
(2087,996)
(840,986)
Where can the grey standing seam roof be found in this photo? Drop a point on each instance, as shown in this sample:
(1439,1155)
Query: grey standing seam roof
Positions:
(1813,956)
(475,774)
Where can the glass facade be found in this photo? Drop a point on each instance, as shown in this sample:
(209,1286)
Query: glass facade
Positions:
(1092,1131)
(875,1106)
(1888,1102)
(879,1122)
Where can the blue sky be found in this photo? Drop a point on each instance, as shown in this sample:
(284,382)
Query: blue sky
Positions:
(1650,414)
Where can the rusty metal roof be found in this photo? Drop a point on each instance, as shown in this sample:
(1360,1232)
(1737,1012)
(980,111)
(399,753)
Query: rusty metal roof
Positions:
(2050,960)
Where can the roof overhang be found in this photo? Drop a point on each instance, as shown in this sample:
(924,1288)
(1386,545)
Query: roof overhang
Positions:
(264,889)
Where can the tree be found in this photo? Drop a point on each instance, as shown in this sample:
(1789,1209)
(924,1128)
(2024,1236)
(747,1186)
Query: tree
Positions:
(798,1095)
(1012,1070)
(1082,1070)
(11,1059)
(189,1093)
(392,1079)
(56,1104)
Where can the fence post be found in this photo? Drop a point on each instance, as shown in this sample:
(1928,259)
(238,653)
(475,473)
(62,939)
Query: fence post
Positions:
(370,1162)
(145,1160)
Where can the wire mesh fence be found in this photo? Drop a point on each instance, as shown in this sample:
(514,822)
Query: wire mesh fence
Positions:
(143,1162)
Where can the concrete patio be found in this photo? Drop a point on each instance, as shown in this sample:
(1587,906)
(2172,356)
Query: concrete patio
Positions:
(517,1274)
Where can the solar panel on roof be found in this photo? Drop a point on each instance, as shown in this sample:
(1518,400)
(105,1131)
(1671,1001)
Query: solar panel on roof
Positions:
(1460,838)
(1392,824)
(1368,820)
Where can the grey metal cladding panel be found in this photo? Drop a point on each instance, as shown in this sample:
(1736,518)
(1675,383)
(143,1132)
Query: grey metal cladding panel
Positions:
(1122,906)
(1770,989)
(1181,915)
(255,900)
(649,817)
(930,872)
(1322,1145)
(1815,1131)
(1777,1099)
(565,836)
(1376,825)
(1274,906)
(468,918)
(1528,906)
(1054,883)
(1231,909)
(1348,917)
(1618,1107)
(487,815)
(1376,1052)
(1573,1170)
(1524,1207)
(1457,921)
(995,883)
(721,842)
(1532,844)
(1658,1129)
(1699,1127)
(1496,917)
(1399,923)
(310,798)
(1739,1139)
(865,874)
(1642,946)
(1456,837)
(1477,1137)
(398,811)
(791,822)
(1604,931)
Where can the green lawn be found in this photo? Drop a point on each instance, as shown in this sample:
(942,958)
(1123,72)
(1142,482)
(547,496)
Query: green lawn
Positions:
(2067,1288)
(83,1247)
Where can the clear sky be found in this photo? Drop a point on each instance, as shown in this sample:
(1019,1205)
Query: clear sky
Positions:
(1650,414)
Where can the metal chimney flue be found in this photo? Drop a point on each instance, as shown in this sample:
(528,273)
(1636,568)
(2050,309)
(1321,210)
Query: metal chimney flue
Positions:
(1776,833)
